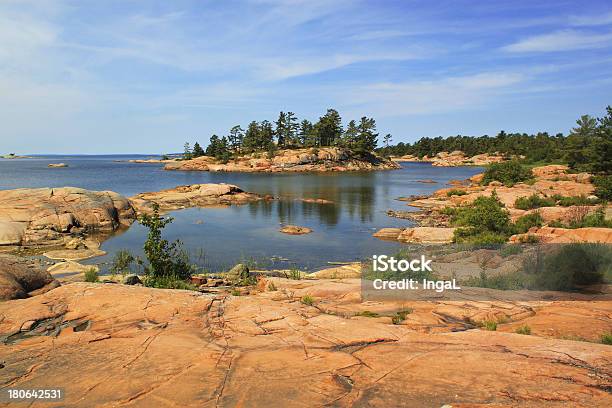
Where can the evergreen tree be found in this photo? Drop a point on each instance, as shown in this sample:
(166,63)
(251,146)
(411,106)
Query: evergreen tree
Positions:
(266,135)
(197,150)
(251,140)
(367,138)
(350,134)
(291,129)
(187,151)
(387,139)
(235,138)
(281,126)
(329,128)
(306,134)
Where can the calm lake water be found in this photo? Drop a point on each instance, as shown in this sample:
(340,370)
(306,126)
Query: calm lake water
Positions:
(220,237)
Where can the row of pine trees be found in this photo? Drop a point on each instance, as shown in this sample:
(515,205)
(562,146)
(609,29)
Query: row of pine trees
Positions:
(287,132)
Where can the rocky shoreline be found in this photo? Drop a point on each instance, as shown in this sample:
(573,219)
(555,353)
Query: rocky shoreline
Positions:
(454,159)
(548,181)
(324,159)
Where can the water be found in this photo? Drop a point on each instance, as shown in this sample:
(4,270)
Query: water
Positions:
(220,237)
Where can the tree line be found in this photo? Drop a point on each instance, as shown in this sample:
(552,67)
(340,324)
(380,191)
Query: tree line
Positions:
(588,146)
(288,132)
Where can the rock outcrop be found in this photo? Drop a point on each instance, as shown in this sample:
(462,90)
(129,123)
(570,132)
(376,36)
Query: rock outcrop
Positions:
(550,235)
(20,279)
(296,160)
(49,215)
(295,230)
(417,235)
(454,159)
(195,195)
(182,348)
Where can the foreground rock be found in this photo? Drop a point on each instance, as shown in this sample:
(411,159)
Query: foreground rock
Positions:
(186,349)
(51,215)
(297,160)
(295,230)
(195,195)
(19,280)
(57,165)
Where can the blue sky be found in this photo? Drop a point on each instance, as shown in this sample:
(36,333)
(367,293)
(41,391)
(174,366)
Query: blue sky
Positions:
(146,76)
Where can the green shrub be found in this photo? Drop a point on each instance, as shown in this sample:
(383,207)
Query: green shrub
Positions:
(122,261)
(489,325)
(595,219)
(91,275)
(524,329)
(569,267)
(367,313)
(307,300)
(529,239)
(166,261)
(506,281)
(485,221)
(294,274)
(271,287)
(524,223)
(400,316)
(533,201)
(456,192)
(577,200)
(606,338)
(236,292)
(510,249)
(508,173)
(603,187)
(168,282)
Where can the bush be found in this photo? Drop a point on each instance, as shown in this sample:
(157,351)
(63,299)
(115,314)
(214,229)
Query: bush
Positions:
(570,267)
(533,201)
(483,222)
(307,300)
(271,287)
(489,325)
(606,338)
(367,313)
(524,223)
(508,173)
(456,192)
(167,262)
(572,201)
(91,275)
(524,329)
(400,316)
(510,249)
(294,274)
(603,187)
(122,262)
(168,282)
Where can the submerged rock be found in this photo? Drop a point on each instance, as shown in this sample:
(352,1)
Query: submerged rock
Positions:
(295,230)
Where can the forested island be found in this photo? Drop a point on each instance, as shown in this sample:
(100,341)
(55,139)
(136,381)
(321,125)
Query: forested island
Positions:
(291,145)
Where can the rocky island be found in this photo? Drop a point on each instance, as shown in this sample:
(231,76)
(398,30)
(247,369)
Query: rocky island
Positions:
(332,159)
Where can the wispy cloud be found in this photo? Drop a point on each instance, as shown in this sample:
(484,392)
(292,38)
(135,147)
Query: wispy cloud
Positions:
(591,20)
(564,40)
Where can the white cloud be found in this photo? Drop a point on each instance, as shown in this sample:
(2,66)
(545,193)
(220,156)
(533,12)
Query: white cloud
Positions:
(565,40)
(591,20)
(425,97)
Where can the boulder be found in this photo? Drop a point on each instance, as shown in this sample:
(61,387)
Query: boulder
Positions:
(295,230)
(238,273)
(70,267)
(131,280)
(46,215)
(195,195)
(12,233)
(74,254)
(388,233)
(427,235)
(56,165)
(339,272)
(18,279)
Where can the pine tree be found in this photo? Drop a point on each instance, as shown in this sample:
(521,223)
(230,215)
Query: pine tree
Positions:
(281,129)
(367,139)
(291,129)
(329,128)
(251,140)
(350,134)
(306,134)
(387,139)
(266,135)
(187,151)
(197,150)
(235,138)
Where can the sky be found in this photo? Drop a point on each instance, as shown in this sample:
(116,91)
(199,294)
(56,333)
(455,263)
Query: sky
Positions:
(131,76)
